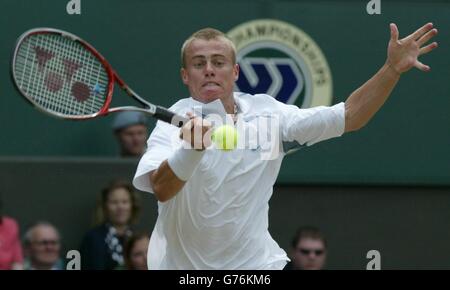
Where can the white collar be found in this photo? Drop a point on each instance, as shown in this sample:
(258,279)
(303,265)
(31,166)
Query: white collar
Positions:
(216,106)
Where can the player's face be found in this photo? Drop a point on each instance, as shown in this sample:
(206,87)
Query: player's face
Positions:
(118,206)
(209,71)
(310,254)
(133,140)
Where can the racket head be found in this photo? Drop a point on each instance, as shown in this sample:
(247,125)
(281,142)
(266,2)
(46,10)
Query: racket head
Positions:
(61,74)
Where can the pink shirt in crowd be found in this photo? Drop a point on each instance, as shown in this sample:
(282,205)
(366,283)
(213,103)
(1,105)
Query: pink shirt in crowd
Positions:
(10,247)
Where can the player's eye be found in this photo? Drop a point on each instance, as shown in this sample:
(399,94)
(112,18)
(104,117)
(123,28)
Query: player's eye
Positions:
(219,63)
(198,64)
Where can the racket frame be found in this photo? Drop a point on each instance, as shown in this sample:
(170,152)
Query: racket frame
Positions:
(149,108)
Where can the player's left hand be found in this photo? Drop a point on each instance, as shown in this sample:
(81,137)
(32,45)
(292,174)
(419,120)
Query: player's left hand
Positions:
(403,53)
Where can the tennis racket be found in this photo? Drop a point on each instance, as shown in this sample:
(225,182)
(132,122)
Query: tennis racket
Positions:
(62,75)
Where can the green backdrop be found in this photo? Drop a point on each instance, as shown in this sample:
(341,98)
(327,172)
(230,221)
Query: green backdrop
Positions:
(408,142)
(52,169)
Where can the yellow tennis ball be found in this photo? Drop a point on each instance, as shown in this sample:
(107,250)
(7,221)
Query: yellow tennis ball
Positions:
(225,137)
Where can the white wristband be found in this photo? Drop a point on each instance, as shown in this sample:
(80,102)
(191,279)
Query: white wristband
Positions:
(184,162)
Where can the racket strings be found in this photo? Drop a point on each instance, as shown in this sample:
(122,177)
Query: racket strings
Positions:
(61,75)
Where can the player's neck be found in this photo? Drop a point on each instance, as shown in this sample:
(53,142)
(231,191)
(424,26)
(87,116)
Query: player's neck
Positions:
(229,106)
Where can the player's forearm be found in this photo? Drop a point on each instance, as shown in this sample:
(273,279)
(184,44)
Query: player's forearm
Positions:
(165,183)
(173,173)
(368,99)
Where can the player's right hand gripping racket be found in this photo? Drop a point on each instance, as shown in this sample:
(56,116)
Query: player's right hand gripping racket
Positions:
(64,76)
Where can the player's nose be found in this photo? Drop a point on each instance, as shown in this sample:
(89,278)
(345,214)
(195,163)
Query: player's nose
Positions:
(209,70)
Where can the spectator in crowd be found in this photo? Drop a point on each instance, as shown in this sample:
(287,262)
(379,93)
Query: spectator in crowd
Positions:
(117,210)
(42,247)
(11,257)
(136,252)
(131,131)
(309,250)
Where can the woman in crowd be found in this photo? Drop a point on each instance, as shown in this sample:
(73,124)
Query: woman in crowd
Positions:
(117,210)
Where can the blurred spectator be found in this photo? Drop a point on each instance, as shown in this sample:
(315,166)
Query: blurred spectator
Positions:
(42,248)
(11,257)
(136,252)
(117,210)
(309,250)
(130,129)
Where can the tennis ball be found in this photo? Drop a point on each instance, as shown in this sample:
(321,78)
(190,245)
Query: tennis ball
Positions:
(225,137)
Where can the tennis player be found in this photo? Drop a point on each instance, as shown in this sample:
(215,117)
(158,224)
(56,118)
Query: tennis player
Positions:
(213,205)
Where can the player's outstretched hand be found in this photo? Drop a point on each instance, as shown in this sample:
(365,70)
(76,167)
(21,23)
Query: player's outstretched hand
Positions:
(403,53)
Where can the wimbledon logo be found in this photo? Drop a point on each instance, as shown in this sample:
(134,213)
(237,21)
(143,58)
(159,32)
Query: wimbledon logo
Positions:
(281,60)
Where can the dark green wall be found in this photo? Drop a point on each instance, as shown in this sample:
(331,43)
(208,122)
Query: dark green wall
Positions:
(409,226)
(406,143)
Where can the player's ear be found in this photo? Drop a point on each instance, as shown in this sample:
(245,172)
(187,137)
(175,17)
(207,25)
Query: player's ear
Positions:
(184,76)
(236,72)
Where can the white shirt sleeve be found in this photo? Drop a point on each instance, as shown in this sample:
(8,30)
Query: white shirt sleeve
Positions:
(159,148)
(310,126)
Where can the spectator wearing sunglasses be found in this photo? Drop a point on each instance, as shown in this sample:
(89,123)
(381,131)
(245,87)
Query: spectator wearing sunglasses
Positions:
(309,250)
(43,247)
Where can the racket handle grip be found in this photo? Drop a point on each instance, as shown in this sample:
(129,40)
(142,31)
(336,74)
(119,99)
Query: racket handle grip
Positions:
(169,117)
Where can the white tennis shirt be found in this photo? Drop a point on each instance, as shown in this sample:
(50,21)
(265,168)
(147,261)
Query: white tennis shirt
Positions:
(219,220)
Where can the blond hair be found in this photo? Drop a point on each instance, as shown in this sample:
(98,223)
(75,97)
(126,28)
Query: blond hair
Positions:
(207,34)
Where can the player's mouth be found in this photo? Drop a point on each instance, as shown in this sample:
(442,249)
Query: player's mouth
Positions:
(210,84)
